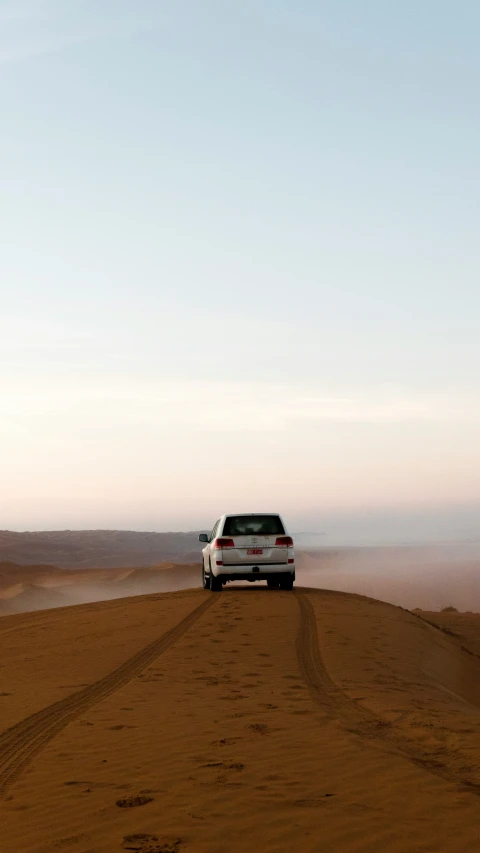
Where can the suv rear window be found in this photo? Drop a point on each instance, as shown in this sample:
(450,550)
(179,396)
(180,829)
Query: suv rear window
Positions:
(247,525)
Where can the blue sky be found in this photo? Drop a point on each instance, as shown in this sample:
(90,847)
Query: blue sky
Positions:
(240,262)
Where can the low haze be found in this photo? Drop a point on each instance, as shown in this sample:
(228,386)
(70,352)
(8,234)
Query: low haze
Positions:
(240,265)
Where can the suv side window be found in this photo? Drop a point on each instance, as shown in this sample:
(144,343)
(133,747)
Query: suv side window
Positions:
(214,531)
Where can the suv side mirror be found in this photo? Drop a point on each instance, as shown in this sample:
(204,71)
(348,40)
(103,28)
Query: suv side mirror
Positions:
(203,537)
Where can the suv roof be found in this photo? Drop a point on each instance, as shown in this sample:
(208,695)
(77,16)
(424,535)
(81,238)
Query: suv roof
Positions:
(228,514)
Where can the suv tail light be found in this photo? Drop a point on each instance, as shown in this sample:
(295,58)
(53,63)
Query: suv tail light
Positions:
(223,543)
(285,541)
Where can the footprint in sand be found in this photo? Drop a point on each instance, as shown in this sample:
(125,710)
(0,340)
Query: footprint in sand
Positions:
(259,728)
(133,802)
(144,843)
(311,802)
(226,741)
(69,840)
(237,765)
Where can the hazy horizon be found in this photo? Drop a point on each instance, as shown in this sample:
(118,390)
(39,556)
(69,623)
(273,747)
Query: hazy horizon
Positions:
(240,265)
(421,527)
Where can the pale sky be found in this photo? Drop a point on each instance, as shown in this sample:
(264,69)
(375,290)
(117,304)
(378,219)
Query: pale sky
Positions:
(239,260)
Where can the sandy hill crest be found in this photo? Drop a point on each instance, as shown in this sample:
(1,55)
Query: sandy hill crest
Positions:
(306,721)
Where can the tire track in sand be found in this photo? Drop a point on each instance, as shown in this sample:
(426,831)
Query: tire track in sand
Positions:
(37,620)
(23,741)
(359,720)
(323,690)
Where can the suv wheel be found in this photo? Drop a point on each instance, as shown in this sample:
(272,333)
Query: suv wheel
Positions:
(215,584)
(205,578)
(286,582)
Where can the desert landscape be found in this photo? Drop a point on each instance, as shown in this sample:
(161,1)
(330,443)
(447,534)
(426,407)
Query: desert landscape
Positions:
(240,295)
(140,712)
(58,568)
(251,719)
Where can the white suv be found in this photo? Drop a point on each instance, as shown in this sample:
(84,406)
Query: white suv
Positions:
(248,547)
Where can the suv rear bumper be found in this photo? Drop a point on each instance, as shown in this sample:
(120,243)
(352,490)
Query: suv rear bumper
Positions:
(260,572)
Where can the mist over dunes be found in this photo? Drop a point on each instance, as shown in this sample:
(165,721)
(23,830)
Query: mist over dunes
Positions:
(40,570)
(25,588)
(427,576)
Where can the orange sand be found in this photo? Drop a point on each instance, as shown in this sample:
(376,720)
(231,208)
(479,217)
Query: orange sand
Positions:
(254,719)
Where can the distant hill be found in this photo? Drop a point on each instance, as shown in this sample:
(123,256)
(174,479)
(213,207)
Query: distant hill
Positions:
(84,549)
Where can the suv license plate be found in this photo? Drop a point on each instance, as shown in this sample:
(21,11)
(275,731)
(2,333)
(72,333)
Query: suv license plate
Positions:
(255,551)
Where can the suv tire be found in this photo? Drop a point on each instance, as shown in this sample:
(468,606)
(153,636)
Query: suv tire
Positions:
(286,582)
(215,584)
(205,578)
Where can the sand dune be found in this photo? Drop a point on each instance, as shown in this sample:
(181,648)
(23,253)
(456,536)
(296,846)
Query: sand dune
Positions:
(253,719)
(28,588)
